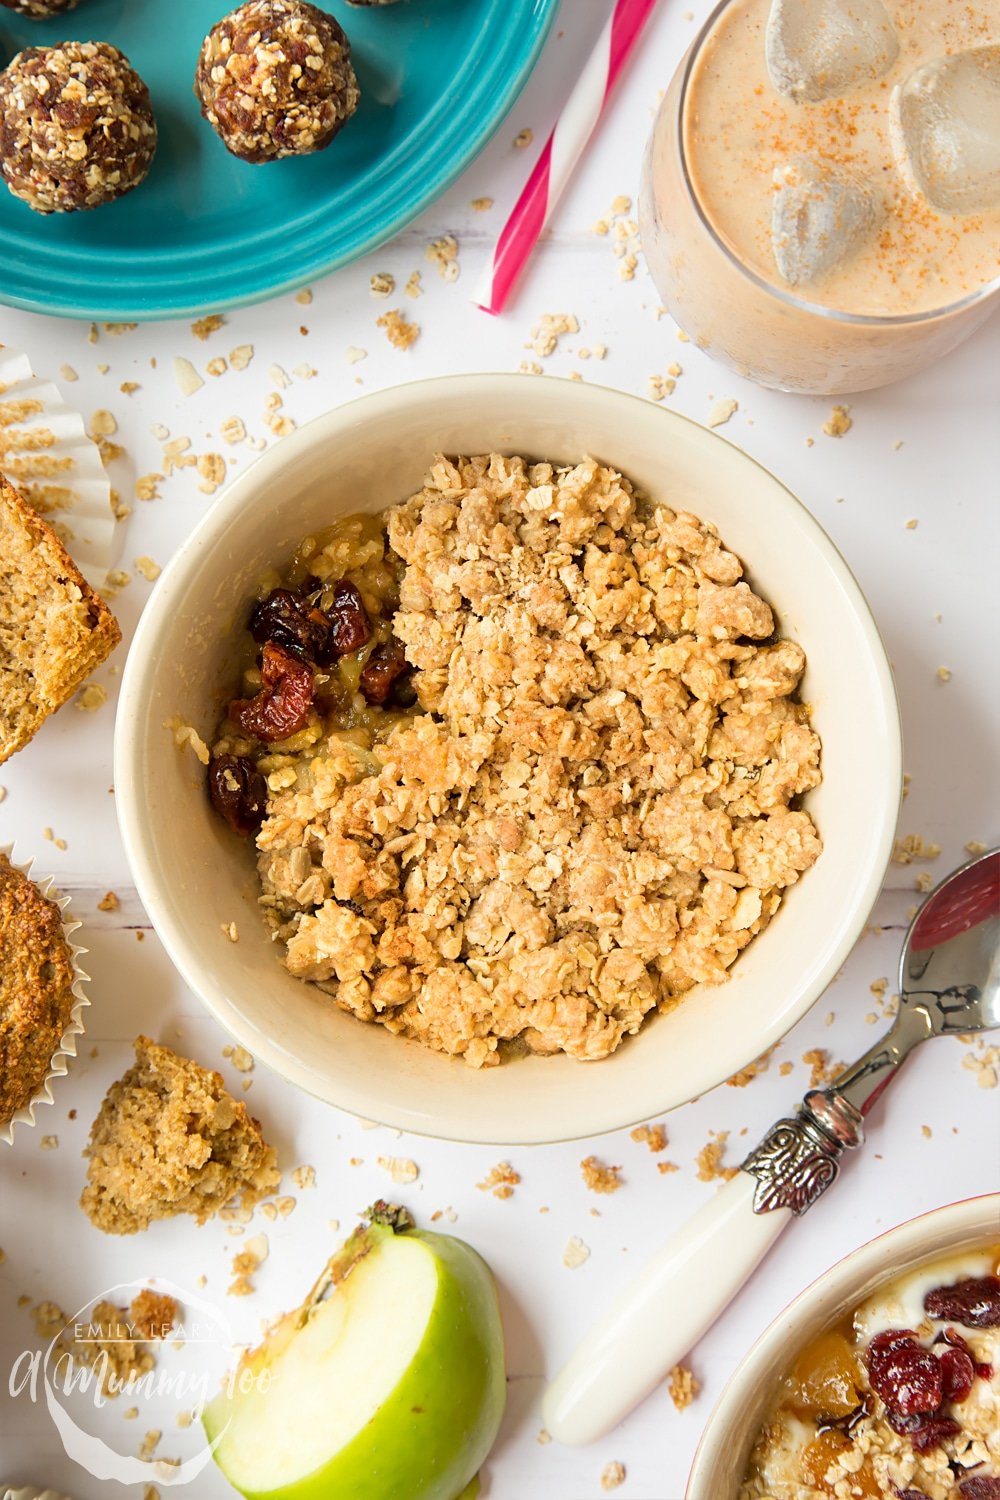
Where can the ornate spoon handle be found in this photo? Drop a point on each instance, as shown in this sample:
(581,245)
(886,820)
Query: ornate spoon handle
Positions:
(689,1282)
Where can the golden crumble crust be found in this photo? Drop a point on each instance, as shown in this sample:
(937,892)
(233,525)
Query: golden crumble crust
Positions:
(36,986)
(169,1139)
(597,808)
(54,629)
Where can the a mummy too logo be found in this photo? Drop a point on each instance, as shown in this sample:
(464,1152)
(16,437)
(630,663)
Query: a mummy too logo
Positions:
(157,1352)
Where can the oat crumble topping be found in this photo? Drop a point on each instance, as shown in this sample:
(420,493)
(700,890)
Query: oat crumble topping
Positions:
(595,810)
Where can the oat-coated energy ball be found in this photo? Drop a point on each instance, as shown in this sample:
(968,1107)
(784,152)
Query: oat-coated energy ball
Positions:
(76,126)
(275,79)
(39,10)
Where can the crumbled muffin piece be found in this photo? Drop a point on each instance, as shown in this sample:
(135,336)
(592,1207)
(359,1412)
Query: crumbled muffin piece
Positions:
(168,1140)
(76,126)
(54,630)
(36,987)
(600,1178)
(274,79)
(152,1314)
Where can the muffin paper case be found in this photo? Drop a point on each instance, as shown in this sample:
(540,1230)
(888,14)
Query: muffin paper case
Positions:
(46,453)
(28,1492)
(59,1063)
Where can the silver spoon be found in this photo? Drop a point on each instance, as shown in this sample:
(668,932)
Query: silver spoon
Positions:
(949,983)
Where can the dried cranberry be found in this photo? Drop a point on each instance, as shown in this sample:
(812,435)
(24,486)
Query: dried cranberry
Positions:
(386,663)
(958,1371)
(282,706)
(980,1487)
(291,622)
(923,1432)
(974,1302)
(238,791)
(905,1374)
(349,620)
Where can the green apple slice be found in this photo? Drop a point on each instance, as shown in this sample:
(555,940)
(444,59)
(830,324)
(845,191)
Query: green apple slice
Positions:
(386,1384)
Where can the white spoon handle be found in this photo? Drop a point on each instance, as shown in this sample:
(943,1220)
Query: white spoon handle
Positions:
(662,1315)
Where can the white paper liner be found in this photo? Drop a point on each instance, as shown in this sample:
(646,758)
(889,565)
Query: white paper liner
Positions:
(59,1064)
(29,1492)
(45,451)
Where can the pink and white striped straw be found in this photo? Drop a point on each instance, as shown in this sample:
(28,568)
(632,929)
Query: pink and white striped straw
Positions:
(563,150)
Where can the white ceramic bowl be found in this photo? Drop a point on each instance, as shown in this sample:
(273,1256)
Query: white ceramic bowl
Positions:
(721,1459)
(193,876)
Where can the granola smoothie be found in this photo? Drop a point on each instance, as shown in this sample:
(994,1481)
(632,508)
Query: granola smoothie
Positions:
(822,198)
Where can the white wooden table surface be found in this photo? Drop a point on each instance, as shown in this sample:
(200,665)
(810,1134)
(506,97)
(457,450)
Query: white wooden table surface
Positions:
(926,451)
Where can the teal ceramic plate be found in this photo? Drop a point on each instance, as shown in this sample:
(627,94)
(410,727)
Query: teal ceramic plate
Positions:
(205,231)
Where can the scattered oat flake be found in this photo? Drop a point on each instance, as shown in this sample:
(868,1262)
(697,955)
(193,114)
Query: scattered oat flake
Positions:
(544,1437)
(232,430)
(722,411)
(912,524)
(50,1142)
(667,1166)
(304,298)
(501,1180)
(92,697)
(285,1205)
(304,1177)
(400,1168)
(926,1131)
(612,1476)
(653,1136)
(659,386)
(68,373)
(103,424)
(241,1059)
(575,1253)
(481,205)
(149,1443)
(187,377)
(203,328)
(400,333)
(839,421)
(600,1178)
(975,848)
(524,138)
(149,569)
(186,734)
(443,252)
(240,357)
(231,931)
(382,284)
(108,902)
(212,468)
(217,366)
(944,674)
(682,1386)
(413,287)
(549,329)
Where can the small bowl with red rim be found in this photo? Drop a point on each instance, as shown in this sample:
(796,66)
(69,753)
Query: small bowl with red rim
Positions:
(755,1388)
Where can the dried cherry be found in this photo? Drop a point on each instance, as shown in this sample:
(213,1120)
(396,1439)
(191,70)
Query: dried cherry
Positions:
(290,621)
(905,1374)
(380,672)
(958,1371)
(282,706)
(923,1431)
(350,625)
(974,1302)
(238,792)
(980,1487)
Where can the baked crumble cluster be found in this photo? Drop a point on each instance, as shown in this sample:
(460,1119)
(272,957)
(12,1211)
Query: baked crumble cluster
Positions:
(594,806)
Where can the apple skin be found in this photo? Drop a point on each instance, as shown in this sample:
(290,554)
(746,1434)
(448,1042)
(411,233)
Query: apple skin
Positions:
(429,1437)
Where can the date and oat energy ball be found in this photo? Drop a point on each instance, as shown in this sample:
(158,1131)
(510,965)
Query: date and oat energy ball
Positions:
(275,79)
(76,126)
(40,10)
